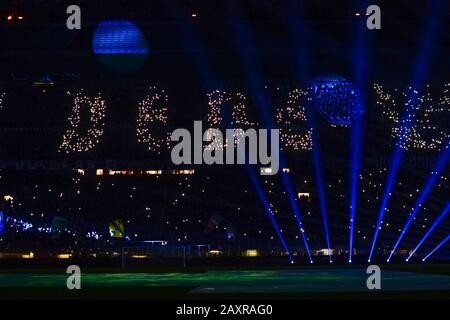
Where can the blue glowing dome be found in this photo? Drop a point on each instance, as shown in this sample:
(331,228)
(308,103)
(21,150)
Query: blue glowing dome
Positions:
(336,99)
(120,45)
(119,37)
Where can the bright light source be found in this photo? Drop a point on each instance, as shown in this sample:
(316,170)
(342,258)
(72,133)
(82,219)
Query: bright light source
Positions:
(303,194)
(10,18)
(139,256)
(28,256)
(266,170)
(251,253)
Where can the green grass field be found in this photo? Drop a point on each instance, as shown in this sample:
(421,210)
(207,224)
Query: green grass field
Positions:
(398,282)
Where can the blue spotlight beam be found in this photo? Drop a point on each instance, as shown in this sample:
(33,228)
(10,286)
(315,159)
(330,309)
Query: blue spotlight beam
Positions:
(297,27)
(435,224)
(432,25)
(319,182)
(206,74)
(319,179)
(303,63)
(196,49)
(354,182)
(292,201)
(437,247)
(253,77)
(393,172)
(259,189)
(257,184)
(427,37)
(360,74)
(431,181)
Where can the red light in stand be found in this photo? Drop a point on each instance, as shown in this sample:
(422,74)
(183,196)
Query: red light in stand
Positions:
(10,18)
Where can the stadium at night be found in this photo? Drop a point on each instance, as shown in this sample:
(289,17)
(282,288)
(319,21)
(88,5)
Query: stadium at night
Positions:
(358,171)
